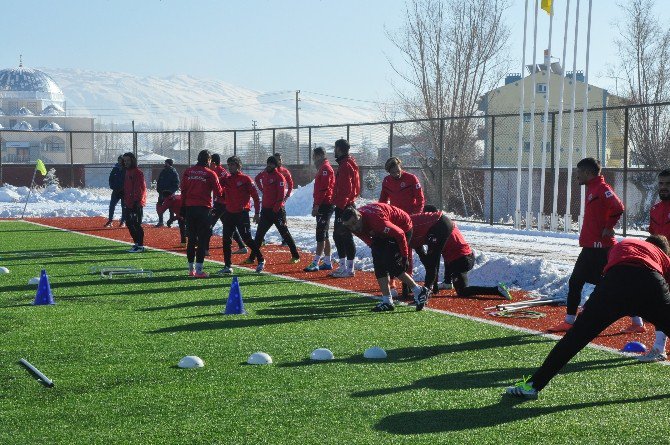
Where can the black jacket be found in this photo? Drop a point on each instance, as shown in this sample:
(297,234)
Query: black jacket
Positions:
(116,177)
(168,179)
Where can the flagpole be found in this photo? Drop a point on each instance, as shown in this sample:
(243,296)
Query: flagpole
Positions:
(541,220)
(557,150)
(32,182)
(531,139)
(584,112)
(567,226)
(517,213)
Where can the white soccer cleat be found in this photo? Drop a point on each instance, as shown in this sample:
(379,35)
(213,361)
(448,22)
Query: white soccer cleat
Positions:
(342,272)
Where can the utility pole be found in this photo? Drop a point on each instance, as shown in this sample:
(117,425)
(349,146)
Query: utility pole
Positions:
(297,127)
(256,142)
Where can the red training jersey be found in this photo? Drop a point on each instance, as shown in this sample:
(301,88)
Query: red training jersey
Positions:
(239,189)
(288,180)
(404,192)
(134,188)
(659,219)
(273,191)
(172,202)
(639,253)
(221,173)
(602,210)
(384,221)
(324,184)
(422,223)
(347,182)
(456,246)
(198,185)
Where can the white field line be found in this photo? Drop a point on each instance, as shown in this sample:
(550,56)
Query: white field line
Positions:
(326,286)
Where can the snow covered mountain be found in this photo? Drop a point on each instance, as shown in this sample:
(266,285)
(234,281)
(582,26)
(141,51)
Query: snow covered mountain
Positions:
(182,101)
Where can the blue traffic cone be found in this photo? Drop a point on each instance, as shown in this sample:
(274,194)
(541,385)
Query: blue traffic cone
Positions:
(44,295)
(235,305)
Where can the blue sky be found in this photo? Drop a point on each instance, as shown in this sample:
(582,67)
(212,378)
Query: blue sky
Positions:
(336,47)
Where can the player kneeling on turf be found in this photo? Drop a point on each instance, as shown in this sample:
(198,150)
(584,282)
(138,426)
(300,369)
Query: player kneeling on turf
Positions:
(387,230)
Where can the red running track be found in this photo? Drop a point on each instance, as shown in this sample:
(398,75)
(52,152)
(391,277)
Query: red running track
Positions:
(277,262)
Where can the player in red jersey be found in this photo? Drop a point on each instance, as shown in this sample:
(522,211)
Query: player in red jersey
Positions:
(635,283)
(659,224)
(347,189)
(239,190)
(322,209)
(172,202)
(219,210)
(602,210)
(198,185)
(134,200)
(388,231)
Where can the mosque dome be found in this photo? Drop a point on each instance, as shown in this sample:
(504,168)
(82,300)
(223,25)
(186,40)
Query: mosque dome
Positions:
(28,83)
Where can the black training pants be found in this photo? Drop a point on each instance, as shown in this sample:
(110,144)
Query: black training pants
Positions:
(623,291)
(238,223)
(268,218)
(133,217)
(197,225)
(436,238)
(588,269)
(344,239)
(219,214)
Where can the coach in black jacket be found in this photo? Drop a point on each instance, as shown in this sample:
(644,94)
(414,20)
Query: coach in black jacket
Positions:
(116,177)
(168,180)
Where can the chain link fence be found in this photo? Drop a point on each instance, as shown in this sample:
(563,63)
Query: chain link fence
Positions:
(470,166)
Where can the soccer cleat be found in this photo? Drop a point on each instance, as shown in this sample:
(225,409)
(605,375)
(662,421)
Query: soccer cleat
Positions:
(313,267)
(522,389)
(227,270)
(122,224)
(248,261)
(108,223)
(342,272)
(191,273)
(295,259)
(504,292)
(200,275)
(445,286)
(132,249)
(241,251)
(260,267)
(137,249)
(394,292)
(160,224)
(634,329)
(421,298)
(436,288)
(325,266)
(563,326)
(384,307)
(654,355)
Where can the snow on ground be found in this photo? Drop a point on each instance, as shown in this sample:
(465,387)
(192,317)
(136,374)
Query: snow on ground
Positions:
(540,262)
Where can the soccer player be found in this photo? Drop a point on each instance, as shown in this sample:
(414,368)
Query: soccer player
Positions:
(134,198)
(388,231)
(602,210)
(198,185)
(403,190)
(434,229)
(347,189)
(239,189)
(116,184)
(659,224)
(172,202)
(322,209)
(261,180)
(168,179)
(219,209)
(272,211)
(635,283)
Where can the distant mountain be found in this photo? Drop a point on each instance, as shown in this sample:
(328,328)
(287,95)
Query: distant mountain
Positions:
(182,101)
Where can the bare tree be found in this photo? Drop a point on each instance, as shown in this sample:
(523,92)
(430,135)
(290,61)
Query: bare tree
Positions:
(644,45)
(455,51)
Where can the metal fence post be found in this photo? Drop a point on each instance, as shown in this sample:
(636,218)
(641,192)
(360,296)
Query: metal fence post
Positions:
(553,140)
(309,142)
(1,183)
(274,141)
(493,139)
(235,143)
(441,165)
(348,135)
(71,162)
(625,171)
(189,148)
(391,140)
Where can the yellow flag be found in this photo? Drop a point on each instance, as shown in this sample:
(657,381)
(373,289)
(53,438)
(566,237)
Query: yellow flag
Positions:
(41,168)
(546,5)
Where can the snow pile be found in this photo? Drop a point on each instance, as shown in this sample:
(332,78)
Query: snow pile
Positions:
(301,200)
(9,194)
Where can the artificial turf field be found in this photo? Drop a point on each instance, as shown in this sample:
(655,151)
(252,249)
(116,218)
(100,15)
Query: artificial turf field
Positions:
(111,347)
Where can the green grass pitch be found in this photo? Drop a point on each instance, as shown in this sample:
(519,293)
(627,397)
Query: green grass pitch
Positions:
(111,348)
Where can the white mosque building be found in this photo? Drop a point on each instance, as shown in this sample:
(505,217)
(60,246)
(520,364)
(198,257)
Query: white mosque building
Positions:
(34,123)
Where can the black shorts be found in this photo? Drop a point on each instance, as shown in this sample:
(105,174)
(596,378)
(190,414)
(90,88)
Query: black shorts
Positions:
(386,256)
(324,212)
(461,265)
